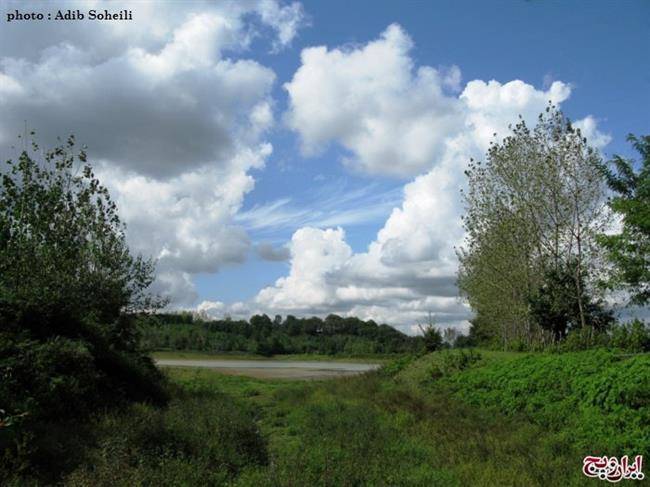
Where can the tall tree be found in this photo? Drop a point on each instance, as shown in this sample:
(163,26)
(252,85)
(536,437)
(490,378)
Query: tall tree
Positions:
(629,249)
(536,204)
(495,277)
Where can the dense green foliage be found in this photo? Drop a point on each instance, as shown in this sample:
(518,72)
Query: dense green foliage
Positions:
(598,399)
(629,249)
(533,211)
(449,418)
(263,336)
(433,338)
(68,343)
(632,337)
(556,310)
(203,437)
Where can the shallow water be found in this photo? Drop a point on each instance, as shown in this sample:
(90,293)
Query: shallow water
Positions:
(274,369)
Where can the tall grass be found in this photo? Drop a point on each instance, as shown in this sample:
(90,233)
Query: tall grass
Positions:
(203,437)
(372,431)
(445,419)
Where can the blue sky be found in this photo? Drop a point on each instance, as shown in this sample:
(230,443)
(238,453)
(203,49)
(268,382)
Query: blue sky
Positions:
(600,47)
(334,213)
(595,46)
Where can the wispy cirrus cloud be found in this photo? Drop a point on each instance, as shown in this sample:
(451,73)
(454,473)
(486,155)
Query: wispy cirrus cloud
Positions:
(333,204)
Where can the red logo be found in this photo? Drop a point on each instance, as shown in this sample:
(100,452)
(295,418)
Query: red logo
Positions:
(613,470)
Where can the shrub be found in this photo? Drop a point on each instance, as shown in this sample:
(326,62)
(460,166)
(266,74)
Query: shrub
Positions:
(395,366)
(432,339)
(582,339)
(68,287)
(454,361)
(631,337)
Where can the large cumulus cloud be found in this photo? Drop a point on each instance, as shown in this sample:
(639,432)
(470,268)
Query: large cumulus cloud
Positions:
(172,112)
(374,103)
(398,119)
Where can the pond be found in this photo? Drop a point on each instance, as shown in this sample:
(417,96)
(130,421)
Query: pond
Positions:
(275,369)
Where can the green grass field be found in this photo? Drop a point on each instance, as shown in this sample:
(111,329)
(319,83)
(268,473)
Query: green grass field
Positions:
(448,419)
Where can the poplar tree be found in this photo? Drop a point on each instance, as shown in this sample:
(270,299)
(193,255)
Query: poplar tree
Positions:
(533,209)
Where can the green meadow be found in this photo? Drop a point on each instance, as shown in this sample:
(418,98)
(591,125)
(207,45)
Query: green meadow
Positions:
(446,418)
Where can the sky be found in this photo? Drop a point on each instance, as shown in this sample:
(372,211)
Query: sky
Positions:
(306,158)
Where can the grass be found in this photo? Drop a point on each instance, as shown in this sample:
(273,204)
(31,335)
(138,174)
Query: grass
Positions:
(371,430)
(447,419)
(204,437)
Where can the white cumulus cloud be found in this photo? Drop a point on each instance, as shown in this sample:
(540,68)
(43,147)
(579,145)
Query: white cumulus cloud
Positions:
(174,117)
(315,254)
(394,117)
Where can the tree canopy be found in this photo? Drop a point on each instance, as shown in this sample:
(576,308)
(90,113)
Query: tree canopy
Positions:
(261,335)
(63,253)
(68,290)
(533,210)
(629,249)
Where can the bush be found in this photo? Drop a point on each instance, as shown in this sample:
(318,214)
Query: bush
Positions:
(465,341)
(68,287)
(582,339)
(432,339)
(631,337)
(395,366)
(450,362)
(50,387)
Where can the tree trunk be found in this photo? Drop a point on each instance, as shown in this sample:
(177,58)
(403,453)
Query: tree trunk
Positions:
(578,280)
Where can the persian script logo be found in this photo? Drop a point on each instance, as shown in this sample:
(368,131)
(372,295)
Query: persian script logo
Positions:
(613,470)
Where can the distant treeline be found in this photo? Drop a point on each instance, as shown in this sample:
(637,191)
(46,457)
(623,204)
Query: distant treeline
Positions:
(266,336)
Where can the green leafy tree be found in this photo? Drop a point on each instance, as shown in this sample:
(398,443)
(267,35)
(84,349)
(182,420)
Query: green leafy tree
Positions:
(555,306)
(629,250)
(534,206)
(62,247)
(433,339)
(495,276)
(69,288)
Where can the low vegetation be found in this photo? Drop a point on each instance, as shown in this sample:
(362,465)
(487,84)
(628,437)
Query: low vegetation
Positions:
(449,418)
(598,399)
